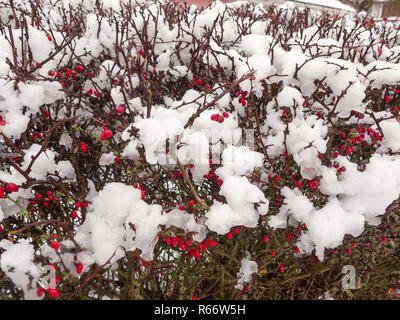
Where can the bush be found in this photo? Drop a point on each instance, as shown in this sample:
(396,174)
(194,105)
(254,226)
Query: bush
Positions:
(151,151)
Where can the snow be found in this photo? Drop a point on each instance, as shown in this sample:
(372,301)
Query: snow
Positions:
(114,209)
(194,148)
(239,161)
(391,135)
(355,198)
(107,158)
(328,226)
(247,269)
(262,67)
(169,124)
(103,231)
(241,196)
(17,263)
(256,44)
(305,90)
(45,163)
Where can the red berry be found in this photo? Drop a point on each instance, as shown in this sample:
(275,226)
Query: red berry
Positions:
(282,268)
(53,292)
(39,291)
(106,134)
(68,73)
(230,235)
(298,184)
(49,37)
(79,267)
(74,215)
(120,109)
(83,146)
(55,245)
(265,238)
(12,187)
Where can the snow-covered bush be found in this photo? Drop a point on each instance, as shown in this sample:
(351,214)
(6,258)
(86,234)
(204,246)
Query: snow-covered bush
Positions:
(155,151)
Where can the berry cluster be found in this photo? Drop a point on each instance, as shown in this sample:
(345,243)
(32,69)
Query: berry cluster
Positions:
(193,249)
(220,118)
(9,188)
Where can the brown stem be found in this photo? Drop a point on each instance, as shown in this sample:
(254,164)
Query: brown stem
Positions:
(192,189)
